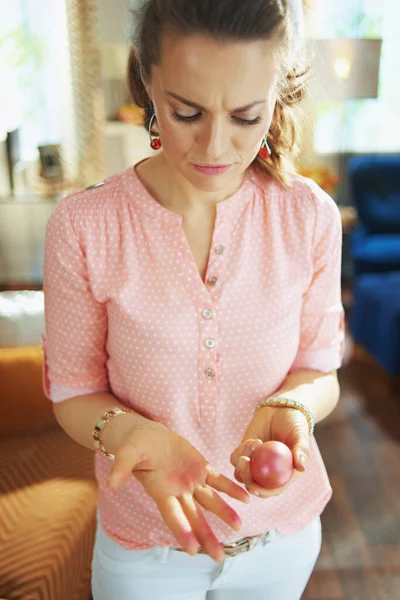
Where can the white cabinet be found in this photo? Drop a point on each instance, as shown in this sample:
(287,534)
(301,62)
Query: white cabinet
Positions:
(126,144)
(22,232)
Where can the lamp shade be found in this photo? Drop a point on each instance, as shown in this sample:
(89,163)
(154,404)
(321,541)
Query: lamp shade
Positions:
(345,68)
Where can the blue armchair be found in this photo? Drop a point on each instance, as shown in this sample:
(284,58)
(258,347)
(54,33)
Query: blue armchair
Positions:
(375,186)
(375,249)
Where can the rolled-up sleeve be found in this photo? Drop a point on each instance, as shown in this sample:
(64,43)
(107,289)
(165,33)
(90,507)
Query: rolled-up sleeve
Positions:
(76,323)
(322,327)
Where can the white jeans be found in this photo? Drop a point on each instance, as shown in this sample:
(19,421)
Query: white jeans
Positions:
(276,569)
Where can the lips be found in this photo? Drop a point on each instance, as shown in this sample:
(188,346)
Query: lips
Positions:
(212,169)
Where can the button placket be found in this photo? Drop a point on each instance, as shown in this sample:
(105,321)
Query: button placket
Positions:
(215,267)
(204,297)
(218,250)
(208,361)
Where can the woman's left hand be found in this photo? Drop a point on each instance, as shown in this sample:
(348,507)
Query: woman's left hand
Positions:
(286,425)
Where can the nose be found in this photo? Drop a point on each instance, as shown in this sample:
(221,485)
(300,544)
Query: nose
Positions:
(214,140)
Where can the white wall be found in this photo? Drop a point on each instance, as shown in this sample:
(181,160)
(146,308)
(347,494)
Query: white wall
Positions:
(114,21)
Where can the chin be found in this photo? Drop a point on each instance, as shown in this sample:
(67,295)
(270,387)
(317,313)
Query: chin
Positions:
(209,183)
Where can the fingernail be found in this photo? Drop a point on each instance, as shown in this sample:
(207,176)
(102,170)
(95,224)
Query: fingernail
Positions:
(302,460)
(255,493)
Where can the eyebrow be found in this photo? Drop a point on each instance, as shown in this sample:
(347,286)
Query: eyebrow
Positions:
(198,107)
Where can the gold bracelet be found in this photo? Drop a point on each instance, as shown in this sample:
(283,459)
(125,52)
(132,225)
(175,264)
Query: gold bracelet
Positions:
(277,401)
(101,423)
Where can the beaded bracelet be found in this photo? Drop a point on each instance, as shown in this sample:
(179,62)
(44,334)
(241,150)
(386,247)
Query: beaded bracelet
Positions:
(277,401)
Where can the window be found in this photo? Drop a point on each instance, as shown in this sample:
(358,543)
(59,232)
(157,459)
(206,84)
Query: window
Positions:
(371,125)
(34,72)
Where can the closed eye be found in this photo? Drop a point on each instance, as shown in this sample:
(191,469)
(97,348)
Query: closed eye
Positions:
(190,119)
(197,117)
(255,121)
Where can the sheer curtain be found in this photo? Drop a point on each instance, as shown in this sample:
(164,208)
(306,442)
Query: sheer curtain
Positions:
(50,82)
(371,125)
(34,71)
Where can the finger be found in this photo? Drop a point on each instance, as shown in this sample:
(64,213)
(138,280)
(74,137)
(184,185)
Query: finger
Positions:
(201,528)
(243,471)
(262,492)
(126,458)
(245,449)
(175,519)
(301,454)
(237,476)
(223,484)
(211,501)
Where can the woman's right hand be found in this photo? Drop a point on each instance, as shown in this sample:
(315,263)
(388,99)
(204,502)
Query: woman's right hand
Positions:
(180,481)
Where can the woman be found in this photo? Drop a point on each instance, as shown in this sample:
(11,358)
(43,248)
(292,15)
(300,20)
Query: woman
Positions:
(182,297)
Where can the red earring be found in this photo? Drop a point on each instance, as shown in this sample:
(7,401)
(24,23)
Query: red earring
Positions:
(156,142)
(265,151)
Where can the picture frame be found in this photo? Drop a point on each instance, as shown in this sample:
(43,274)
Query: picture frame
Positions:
(50,162)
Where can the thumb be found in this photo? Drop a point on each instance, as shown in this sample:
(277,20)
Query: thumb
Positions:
(301,454)
(300,445)
(126,459)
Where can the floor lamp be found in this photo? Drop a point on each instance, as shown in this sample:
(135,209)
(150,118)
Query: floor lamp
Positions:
(344,69)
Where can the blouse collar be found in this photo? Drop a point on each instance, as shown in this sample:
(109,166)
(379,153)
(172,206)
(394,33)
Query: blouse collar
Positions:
(227,208)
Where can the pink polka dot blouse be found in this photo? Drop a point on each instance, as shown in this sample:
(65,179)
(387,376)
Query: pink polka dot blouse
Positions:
(127,312)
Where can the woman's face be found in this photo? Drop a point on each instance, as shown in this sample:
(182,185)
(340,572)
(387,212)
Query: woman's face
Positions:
(214,104)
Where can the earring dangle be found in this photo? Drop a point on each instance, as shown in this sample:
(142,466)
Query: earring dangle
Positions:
(265,150)
(155,143)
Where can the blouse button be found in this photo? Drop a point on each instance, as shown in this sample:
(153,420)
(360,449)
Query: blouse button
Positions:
(212,280)
(221,249)
(207,313)
(210,373)
(210,343)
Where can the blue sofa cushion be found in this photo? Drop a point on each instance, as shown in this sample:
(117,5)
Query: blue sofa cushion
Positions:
(378,248)
(375,182)
(375,317)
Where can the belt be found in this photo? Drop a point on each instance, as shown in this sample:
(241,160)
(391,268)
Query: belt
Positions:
(245,544)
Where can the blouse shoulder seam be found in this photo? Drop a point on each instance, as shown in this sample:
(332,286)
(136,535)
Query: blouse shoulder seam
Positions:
(96,197)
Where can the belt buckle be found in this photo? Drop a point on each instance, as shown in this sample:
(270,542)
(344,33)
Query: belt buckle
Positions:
(244,545)
(234,548)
